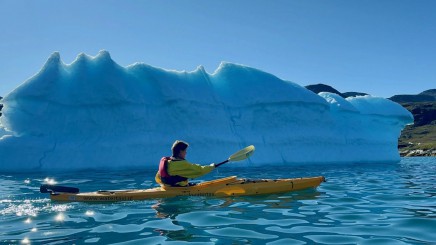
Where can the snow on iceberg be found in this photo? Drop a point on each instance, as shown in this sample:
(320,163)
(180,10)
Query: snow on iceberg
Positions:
(93,113)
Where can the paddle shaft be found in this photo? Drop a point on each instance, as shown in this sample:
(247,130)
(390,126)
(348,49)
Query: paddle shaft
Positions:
(221,163)
(238,156)
(57,188)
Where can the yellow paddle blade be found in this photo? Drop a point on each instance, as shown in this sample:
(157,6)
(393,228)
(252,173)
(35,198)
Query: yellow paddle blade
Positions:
(242,154)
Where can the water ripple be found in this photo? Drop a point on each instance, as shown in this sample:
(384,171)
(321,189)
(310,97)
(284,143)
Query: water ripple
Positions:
(359,203)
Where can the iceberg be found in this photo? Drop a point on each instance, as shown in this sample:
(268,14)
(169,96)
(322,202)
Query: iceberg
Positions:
(94,113)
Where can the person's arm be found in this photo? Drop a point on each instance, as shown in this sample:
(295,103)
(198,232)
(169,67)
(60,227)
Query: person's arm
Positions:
(189,170)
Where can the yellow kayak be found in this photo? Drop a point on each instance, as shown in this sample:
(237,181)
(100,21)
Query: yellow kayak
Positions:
(225,187)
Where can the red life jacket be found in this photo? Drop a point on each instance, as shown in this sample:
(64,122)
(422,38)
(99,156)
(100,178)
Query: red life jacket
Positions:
(165,177)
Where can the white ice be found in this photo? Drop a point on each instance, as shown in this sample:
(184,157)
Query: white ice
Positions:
(94,113)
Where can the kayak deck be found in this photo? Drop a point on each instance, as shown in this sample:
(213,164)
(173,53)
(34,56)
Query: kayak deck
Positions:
(224,187)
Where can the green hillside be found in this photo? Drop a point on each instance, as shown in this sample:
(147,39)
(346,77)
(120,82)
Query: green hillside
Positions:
(419,139)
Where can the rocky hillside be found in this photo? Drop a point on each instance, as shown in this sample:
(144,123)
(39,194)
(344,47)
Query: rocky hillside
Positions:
(418,139)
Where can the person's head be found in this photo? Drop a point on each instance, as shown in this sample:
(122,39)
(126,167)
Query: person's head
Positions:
(179,149)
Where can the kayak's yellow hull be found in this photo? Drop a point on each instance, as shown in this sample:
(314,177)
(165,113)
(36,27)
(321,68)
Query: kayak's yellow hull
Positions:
(230,186)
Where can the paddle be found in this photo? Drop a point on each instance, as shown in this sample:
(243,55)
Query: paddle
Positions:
(239,156)
(57,189)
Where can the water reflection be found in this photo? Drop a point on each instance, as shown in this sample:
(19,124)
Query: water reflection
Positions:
(169,209)
(203,216)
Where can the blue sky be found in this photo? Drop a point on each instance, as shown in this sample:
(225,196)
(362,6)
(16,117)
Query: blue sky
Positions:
(382,47)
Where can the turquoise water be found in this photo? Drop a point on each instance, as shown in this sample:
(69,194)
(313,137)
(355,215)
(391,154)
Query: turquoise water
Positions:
(359,204)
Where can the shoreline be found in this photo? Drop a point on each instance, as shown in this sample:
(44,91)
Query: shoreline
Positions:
(418,153)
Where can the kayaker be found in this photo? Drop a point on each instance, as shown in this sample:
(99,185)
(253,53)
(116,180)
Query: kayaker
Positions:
(176,170)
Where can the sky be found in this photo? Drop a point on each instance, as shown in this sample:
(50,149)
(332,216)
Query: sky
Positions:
(380,47)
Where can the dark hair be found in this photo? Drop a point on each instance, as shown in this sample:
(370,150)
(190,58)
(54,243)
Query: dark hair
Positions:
(178,146)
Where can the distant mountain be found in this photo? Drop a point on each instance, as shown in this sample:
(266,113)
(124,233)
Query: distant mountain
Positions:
(426,96)
(318,88)
(430,92)
(353,94)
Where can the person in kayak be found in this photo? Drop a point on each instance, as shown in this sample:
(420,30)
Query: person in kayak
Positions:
(176,170)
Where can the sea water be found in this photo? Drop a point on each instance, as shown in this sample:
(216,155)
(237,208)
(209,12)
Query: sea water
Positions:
(359,204)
